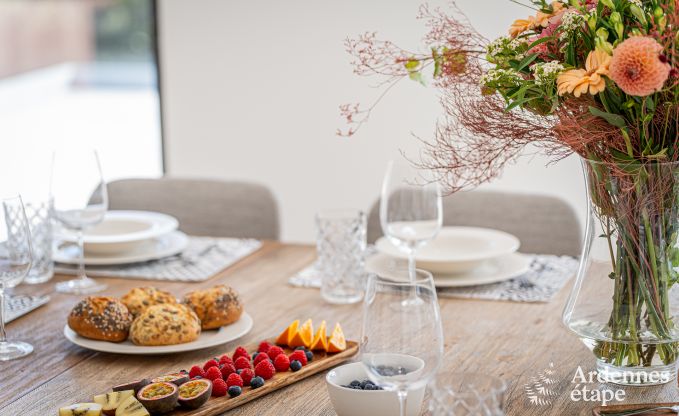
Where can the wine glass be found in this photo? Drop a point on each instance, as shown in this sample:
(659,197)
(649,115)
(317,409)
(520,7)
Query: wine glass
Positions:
(410,209)
(15,262)
(401,340)
(80,201)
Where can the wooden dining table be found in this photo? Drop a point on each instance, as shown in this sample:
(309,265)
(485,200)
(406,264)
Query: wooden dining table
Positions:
(516,342)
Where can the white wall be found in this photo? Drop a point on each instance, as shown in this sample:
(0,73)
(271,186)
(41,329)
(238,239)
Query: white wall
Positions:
(251,91)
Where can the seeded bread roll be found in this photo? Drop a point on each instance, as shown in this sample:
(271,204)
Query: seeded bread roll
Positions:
(140,298)
(166,324)
(100,318)
(217,306)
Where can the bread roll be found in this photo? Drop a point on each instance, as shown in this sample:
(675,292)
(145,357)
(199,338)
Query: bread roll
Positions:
(216,307)
(166,324)
(101,318)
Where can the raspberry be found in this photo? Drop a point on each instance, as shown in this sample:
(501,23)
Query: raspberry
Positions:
(227,369)
(260,357)
(219,388)
(298,355)
(240,352)
(242,362)
(213,373)
(225,359)
(196,371)
(247,376)
(264,346)
(281,363)
(234,380)
(265,369)
(274,351)
(210,363)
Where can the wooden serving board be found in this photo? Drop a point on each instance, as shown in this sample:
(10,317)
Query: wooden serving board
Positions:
(322,361)
(607,410)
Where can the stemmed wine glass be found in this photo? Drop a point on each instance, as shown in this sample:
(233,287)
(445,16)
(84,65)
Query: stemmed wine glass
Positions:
(80,201)
(401,340)
(410,208)
(15,262)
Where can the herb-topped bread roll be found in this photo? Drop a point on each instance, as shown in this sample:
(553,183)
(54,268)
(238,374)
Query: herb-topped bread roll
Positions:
(100,318)
(217,306)
(166,324)
(140,298)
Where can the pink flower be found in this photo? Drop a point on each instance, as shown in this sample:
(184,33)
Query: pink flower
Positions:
(637,67)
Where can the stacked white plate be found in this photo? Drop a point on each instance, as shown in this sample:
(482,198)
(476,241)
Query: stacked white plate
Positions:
(124,237)
(458,256)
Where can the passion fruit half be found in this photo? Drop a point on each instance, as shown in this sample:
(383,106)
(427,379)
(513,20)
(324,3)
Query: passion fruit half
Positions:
(195,393)
(159,398)
(132,385)
(175,378)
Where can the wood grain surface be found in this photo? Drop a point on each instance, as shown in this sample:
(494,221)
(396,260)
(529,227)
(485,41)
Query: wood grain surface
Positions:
(514,341)
(611,410)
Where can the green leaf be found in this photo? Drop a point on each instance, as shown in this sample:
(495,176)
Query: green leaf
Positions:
(417,76)
(541,40)
(650,104)
(526,61)
(412,65)
(613,119)
(517,103)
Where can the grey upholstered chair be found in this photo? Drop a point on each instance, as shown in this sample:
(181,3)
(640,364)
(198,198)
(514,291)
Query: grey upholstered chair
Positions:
(544,224)
(203,207)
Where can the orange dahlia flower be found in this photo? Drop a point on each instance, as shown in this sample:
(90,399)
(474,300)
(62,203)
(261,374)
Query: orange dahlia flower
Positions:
(637,68)
(578,81)
(544,19)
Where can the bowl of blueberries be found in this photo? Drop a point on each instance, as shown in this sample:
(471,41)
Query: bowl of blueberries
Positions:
(353,394)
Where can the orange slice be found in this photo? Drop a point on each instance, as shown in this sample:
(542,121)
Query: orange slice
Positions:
(303,336)
(320,341)
(285,336)
(337,343)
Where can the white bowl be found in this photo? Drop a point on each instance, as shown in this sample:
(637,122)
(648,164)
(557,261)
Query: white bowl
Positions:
(123,231)
(351,402)
(456,249)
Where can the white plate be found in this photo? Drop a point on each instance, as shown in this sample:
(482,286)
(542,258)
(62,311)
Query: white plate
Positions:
(207,339)
(156,248)
(457,249)
(491,271)
(122,230)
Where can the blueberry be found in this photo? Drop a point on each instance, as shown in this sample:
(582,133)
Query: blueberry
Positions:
(240,370)
(254,356)
(234,391)
(309,356)
(183,371)
(295,365)
(354,383)
(256,382)
(300,349)
(197,377)
(363,383)
(369,386)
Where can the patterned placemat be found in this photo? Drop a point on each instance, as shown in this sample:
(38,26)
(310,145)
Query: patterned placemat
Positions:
(547,275)
(20,305)
(202,259)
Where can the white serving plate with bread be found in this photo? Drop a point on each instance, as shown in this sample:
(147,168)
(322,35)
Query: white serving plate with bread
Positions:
(207,339)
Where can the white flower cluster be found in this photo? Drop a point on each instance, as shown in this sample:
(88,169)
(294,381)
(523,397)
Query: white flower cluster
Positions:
(505,45)
(570,22)
(498,77)
(545,73)
(637,2)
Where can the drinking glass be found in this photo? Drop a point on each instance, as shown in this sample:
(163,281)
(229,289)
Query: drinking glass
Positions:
(401,340)
(39,215)
(467,394)
(410,208)
(80,201)
(340,243)
(15,262)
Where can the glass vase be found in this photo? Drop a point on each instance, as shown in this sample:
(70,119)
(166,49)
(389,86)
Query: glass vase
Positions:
(624,303)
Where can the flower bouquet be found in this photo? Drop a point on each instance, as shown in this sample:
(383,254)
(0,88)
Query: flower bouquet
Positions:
(595,78)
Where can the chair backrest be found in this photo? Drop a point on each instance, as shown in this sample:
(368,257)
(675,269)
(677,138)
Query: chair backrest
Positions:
(544,224)
(203,206)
